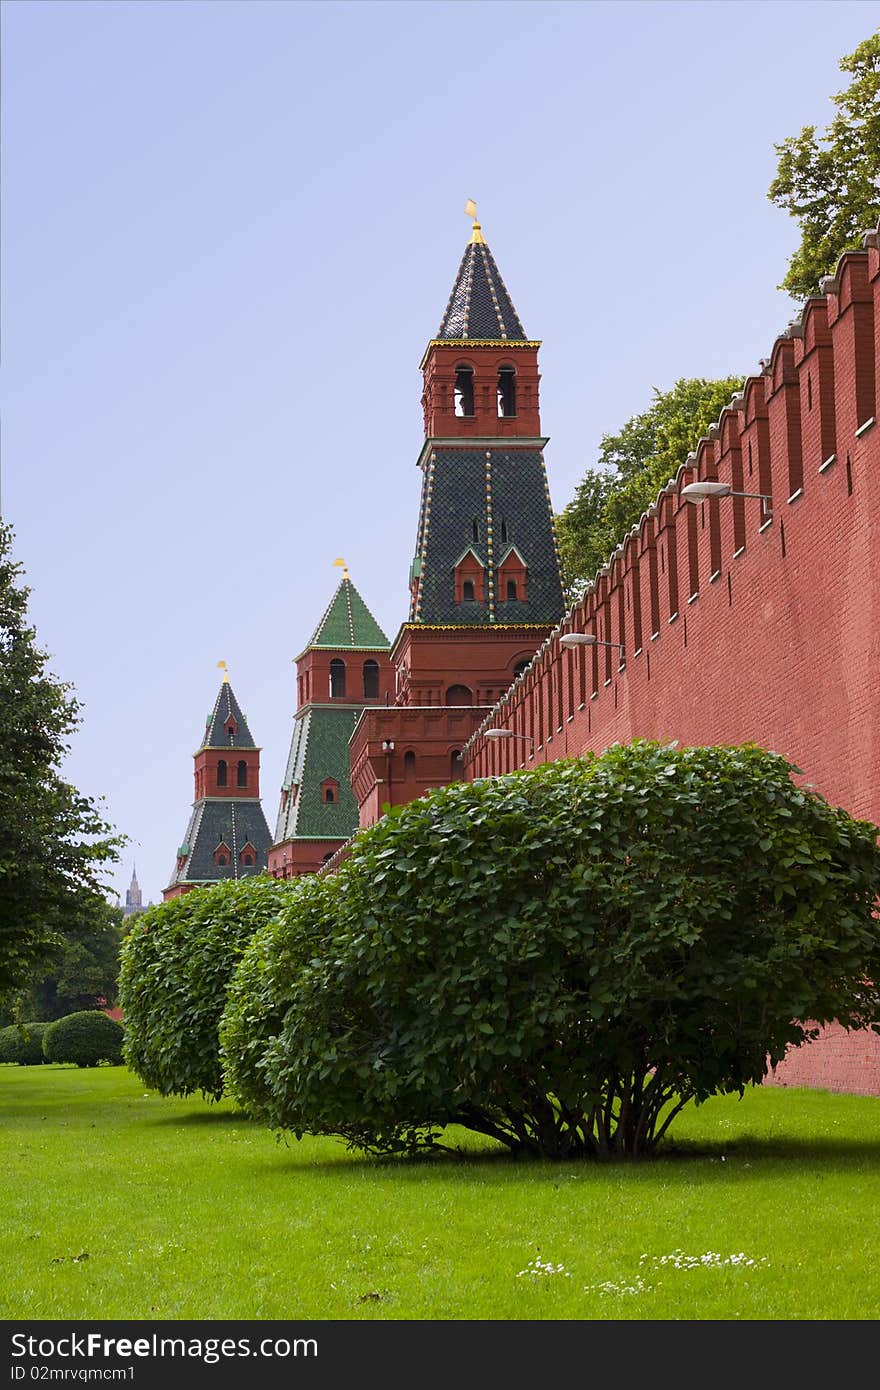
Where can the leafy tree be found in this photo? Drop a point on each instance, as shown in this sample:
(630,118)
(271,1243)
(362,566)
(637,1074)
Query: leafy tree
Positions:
(80,973)
(561,958)
(633,466)
(831,184)
(53,841)
(176,964)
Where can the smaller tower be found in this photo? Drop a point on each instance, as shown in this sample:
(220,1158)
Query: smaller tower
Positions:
(227,835)
(134,898)
(344,669)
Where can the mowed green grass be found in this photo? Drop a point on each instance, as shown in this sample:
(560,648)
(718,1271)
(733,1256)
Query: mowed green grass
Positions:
(119,1204)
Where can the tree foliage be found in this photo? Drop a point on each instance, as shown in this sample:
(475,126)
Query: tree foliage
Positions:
(53,841)
(85,1038)
(831,183)
(560,958)
(176,964)
(81,972)
(633,466)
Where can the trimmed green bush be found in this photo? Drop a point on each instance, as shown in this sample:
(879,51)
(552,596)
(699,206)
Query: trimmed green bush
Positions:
(561,958)
(23,1043)
(177,961)
(85,1038)
(263,986)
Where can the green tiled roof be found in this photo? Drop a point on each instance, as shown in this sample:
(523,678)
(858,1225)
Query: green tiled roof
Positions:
(348,622)
(503,493)
(318,750)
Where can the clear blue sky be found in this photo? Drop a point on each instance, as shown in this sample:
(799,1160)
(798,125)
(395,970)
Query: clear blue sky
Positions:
(229,230)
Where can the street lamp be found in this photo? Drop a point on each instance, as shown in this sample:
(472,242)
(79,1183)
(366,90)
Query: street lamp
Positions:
(698,492)
(588,639)
(509,733)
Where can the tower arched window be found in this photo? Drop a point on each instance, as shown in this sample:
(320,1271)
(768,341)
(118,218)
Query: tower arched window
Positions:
(456,770)
(467,589)
(409,766)
(371,680)
(241,773)
(506,391)
(337,678)
(464,391)
(459,695)
(221,773)
(511,588)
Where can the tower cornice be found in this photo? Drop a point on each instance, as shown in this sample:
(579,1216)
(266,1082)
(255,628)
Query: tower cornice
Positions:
(465,344)
(480,442)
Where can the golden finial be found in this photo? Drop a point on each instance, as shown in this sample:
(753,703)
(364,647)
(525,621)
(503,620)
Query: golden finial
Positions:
(222,666)
(343,566)
(477,237)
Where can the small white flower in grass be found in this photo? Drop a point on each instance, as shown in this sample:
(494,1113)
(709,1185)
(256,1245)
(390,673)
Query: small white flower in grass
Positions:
(542,1269)
(677,1259)
(609,1289)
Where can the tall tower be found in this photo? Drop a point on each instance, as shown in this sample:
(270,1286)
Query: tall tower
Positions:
(227,835)
(134,898)
(485,584)
(344,669)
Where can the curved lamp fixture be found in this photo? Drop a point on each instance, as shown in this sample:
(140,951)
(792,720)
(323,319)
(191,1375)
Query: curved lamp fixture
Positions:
(508,733)
(698,492)
(587,639)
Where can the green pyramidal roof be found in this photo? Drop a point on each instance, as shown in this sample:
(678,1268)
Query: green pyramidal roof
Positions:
(348,622)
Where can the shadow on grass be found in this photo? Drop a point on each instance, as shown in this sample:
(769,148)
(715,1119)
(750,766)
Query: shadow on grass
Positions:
(712,1161)
(203,1118)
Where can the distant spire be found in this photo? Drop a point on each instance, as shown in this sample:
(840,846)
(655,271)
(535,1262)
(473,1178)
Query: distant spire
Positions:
(134,898)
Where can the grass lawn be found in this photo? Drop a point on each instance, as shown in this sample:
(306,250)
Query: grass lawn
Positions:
(119,1204)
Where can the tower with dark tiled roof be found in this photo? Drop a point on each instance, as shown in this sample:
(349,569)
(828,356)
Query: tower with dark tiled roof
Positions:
(485,550)
(227,835)
(485,583)
(343,669)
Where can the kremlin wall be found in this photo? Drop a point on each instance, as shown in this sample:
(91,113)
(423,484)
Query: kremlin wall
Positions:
(738,626)
(749,618)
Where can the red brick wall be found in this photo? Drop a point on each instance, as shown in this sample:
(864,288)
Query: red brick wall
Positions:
(737,628)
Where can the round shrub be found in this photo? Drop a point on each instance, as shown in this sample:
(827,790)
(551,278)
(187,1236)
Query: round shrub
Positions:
(561,958)
(262,988)
(85,1038)
(176,964)
(23,1043)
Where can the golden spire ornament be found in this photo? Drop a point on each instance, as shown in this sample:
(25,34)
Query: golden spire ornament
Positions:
(477,237)
(222,666)
(343,566)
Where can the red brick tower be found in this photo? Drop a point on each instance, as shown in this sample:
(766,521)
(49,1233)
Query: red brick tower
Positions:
(485,583)
(227,835)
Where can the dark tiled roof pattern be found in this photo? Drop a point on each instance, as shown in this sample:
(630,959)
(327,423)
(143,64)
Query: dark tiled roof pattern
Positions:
(318,750)
(234,823)
(348,622)
(457,494)
(480,306)
(215,727)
